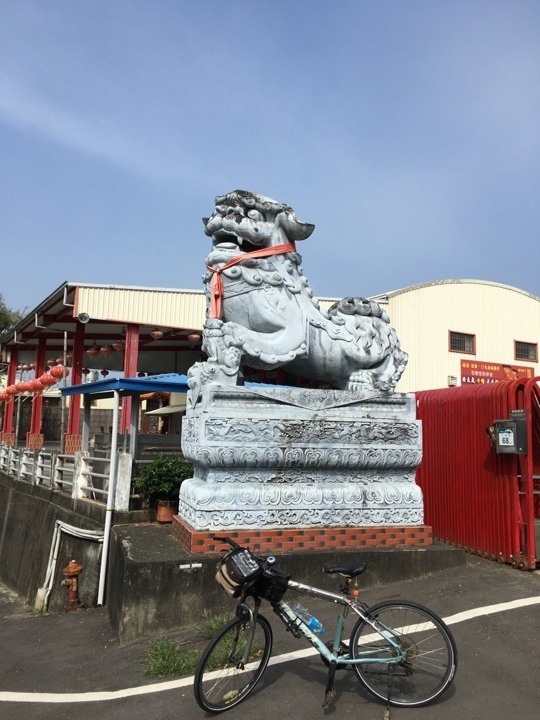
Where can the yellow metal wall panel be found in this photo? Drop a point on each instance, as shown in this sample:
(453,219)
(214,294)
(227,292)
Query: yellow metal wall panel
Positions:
(143,306)
(497,315)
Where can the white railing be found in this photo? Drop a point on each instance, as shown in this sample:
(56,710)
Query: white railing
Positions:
(63,471)
(44,468)
(94,484)
(4,457)
(81,475)
(27,461)
(14,459)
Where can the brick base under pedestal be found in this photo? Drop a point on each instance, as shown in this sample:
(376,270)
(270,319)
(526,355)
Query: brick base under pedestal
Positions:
(200,542)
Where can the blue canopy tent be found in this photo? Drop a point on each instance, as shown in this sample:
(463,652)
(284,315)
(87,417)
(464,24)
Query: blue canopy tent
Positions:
(120,387)
(167,382)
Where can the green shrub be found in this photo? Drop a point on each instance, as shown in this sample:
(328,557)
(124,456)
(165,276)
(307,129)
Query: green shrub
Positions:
(160,479)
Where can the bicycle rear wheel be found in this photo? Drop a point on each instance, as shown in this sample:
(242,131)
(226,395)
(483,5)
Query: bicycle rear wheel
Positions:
(222,679)
(431,655)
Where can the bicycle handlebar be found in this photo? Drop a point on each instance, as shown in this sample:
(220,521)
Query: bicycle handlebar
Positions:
(229,541)
(266,562)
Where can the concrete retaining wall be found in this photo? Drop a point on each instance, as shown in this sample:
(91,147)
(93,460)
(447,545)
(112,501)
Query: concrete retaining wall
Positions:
(28,514)
(153,584)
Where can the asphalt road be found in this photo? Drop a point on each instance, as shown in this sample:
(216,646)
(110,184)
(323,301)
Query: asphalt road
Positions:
(70,665)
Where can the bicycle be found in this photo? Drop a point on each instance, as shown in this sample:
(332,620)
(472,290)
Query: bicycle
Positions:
(402,652)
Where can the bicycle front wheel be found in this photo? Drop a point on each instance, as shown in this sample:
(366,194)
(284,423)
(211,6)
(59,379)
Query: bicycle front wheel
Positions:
(430,654)
(233,663)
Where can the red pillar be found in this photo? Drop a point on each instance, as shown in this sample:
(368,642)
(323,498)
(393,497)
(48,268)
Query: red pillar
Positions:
(131,358)
(37,403)
(76,379)
(9,407)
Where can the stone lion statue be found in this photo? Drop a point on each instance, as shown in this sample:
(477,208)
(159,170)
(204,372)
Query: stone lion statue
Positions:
(262,313)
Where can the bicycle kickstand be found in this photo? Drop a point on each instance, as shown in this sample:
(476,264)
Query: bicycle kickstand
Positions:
(329,692)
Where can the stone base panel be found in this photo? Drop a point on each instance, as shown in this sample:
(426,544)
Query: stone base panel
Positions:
(307,476)
(255,505)
(303,539)
(316,456)
(299,458)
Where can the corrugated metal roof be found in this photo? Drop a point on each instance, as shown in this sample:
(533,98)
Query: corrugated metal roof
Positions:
(434,283)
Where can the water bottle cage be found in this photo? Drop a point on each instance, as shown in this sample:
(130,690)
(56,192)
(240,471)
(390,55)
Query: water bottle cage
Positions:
(291,626)
(295,626)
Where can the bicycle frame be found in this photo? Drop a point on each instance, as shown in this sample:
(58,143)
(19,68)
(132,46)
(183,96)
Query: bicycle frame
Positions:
(401,651)
(291,620)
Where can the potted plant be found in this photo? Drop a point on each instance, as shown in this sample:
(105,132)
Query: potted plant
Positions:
(159,483)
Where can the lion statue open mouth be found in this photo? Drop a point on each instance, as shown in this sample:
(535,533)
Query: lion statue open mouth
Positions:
(262,314)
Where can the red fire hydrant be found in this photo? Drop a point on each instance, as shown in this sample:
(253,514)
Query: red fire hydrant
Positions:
(72,572)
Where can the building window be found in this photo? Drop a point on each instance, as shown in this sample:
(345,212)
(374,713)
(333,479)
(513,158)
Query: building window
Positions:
(526,351)
(462,343)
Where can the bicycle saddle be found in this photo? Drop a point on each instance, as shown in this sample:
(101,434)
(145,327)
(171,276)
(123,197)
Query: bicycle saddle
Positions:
(351,571)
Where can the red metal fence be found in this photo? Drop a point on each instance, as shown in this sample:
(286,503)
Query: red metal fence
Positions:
(474,497)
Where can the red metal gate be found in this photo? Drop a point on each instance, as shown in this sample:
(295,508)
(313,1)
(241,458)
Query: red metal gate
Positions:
(474,497)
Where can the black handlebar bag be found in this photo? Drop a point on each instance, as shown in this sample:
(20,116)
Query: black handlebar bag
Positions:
(235,569)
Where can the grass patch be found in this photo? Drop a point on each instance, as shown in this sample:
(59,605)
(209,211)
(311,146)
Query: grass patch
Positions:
(212,624)
(167,657)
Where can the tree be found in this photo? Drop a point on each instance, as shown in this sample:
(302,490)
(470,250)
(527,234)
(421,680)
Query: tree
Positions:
(8,317)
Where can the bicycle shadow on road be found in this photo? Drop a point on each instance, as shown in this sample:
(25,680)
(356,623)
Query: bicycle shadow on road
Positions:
(302,683)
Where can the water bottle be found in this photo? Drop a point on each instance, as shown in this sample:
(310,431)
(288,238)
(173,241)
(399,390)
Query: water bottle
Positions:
(313,624)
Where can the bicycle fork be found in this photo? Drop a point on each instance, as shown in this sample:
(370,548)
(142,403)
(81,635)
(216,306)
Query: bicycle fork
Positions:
(252,623)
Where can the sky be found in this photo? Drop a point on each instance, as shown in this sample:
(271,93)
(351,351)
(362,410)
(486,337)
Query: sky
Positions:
(407,131)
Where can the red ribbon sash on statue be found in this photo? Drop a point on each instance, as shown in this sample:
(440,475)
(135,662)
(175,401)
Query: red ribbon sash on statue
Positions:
(216,288)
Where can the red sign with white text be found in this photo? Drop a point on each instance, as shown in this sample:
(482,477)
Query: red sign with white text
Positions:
(476,372)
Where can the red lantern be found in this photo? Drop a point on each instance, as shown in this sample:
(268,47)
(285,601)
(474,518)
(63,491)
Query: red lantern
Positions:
(194,337)
(156,334)
(23,386)
(59,371)
(106,350)
(3,396)
(85,371)
(37,386)
(11,390)
(47,379)
(104,373)
(119,345)
(60,361)
(93,351)
(51,362)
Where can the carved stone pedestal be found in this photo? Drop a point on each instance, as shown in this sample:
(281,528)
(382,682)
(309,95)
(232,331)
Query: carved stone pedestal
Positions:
(271,457)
